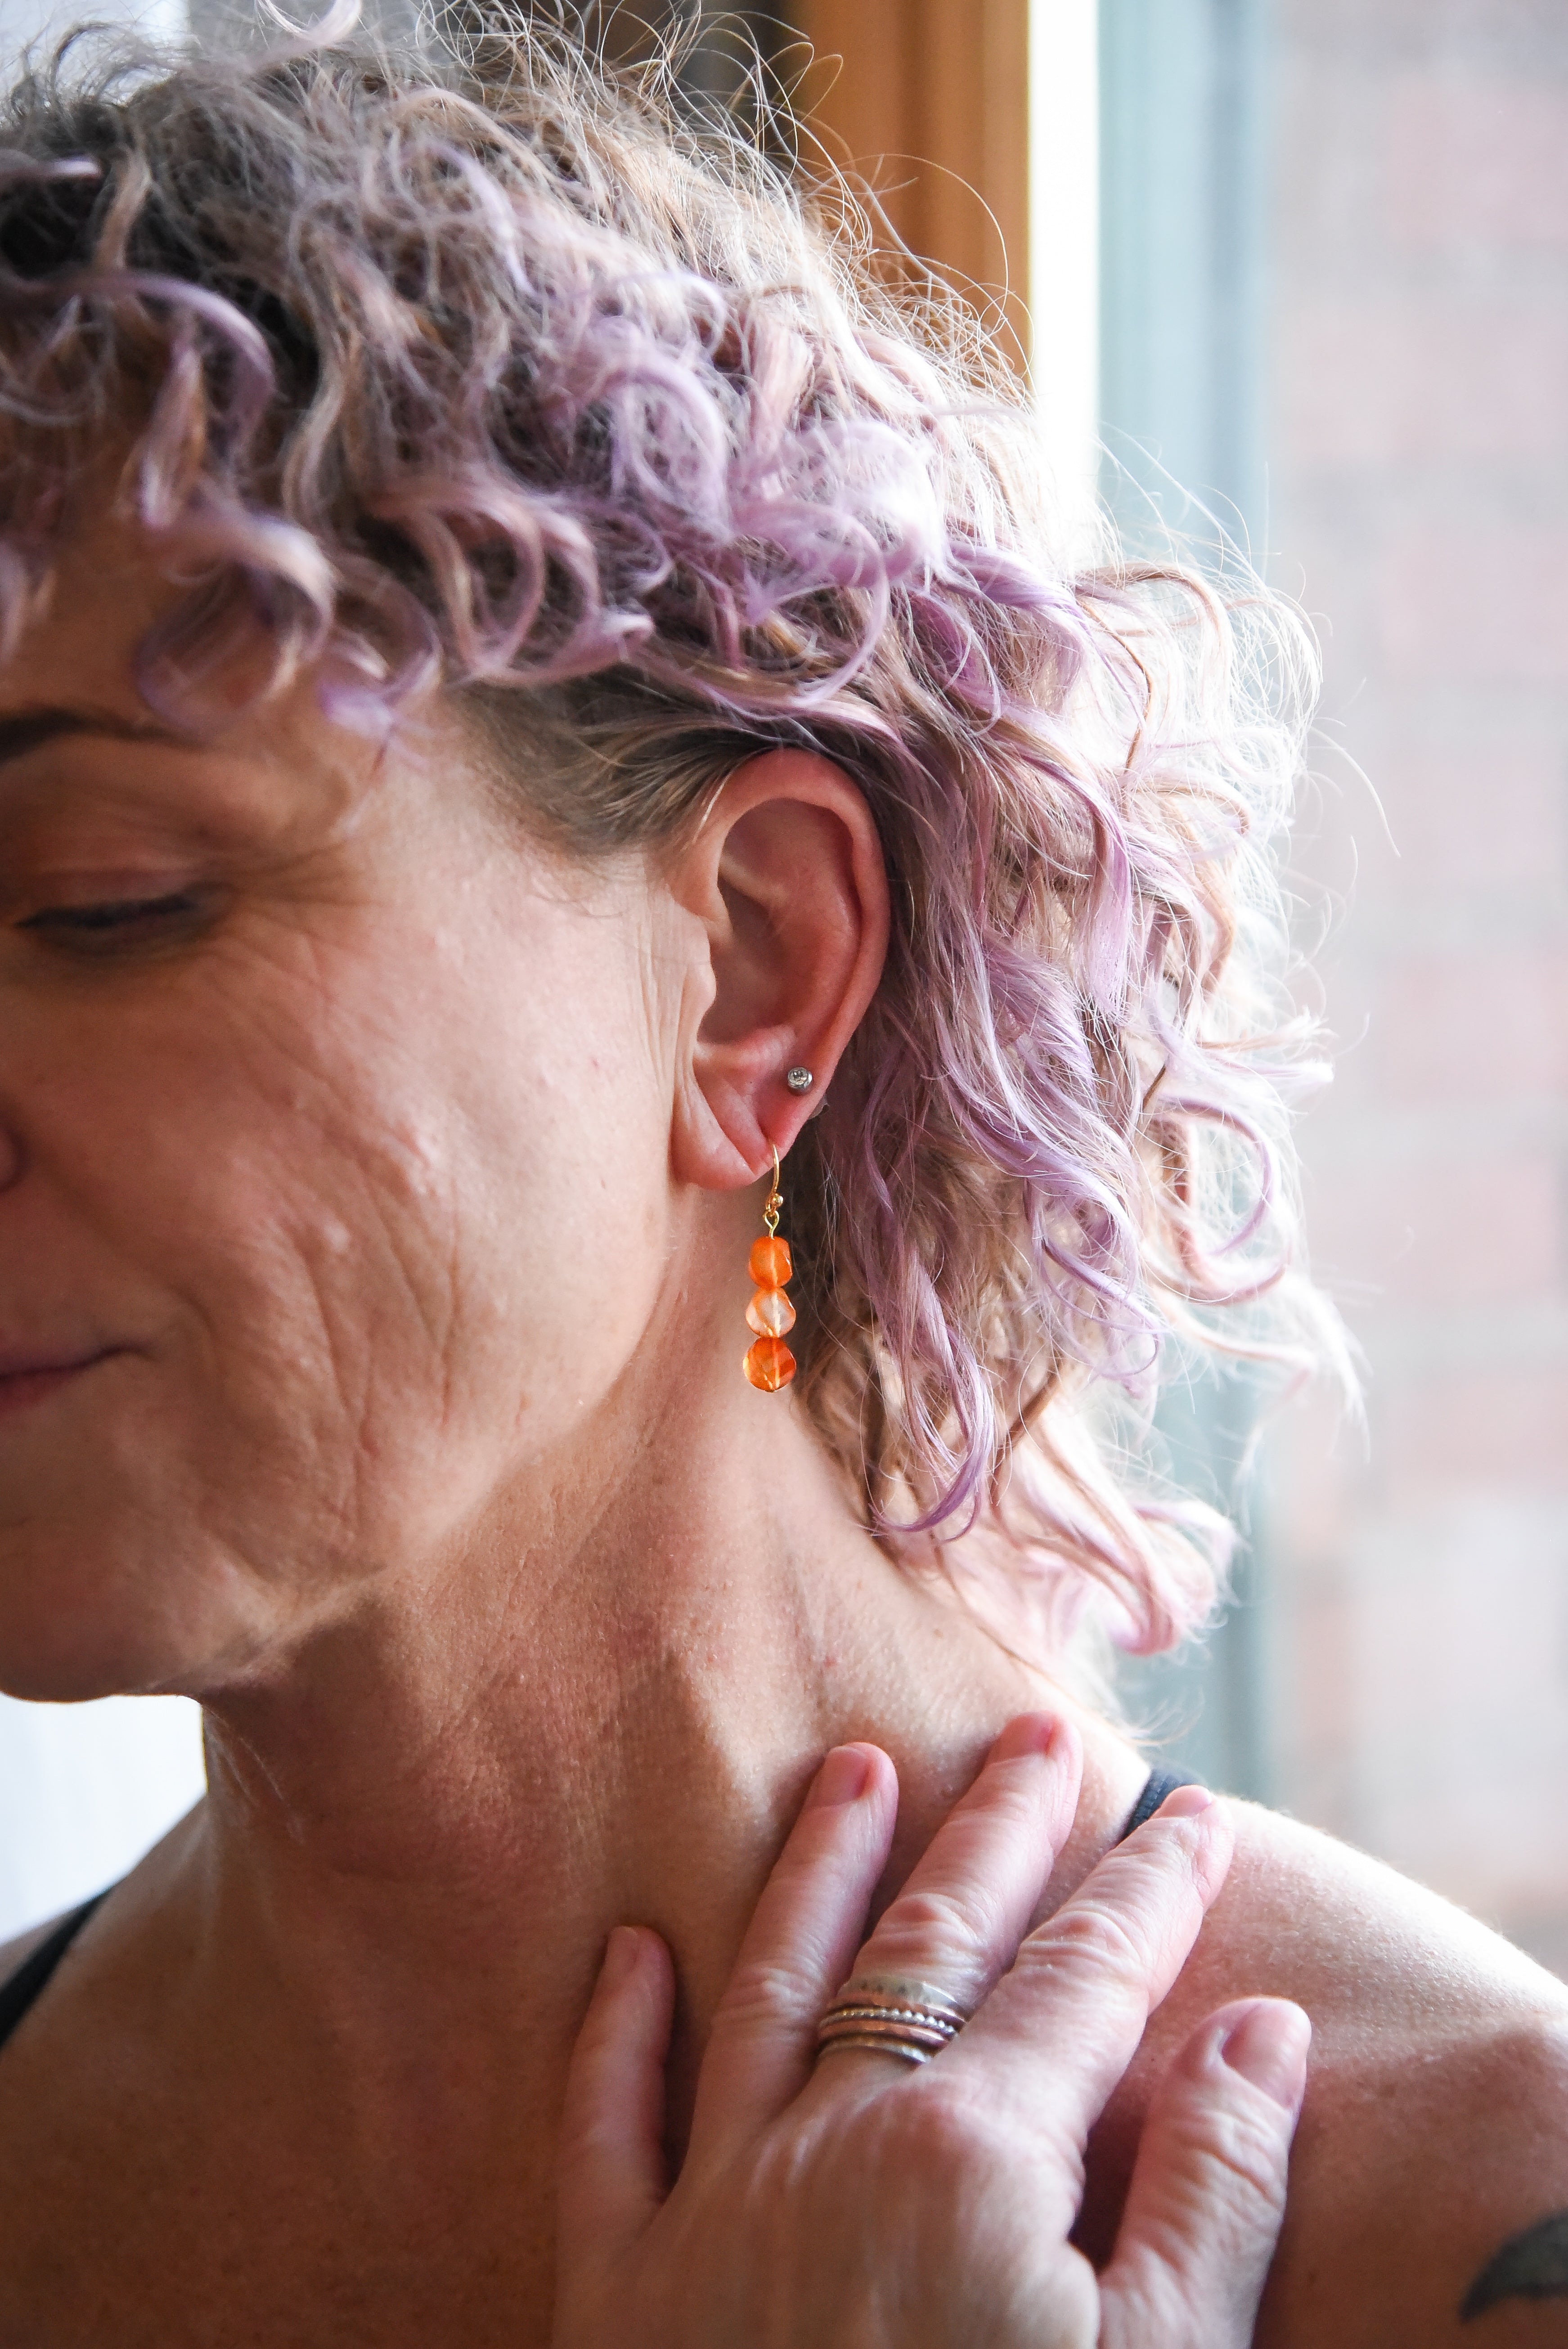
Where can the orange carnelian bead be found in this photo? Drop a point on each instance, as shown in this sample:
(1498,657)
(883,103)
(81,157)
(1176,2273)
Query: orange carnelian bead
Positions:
(770,1263)
(771,1313)
(769,1364)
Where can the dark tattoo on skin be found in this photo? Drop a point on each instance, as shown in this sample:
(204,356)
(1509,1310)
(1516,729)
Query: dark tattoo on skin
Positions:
(1531,2266)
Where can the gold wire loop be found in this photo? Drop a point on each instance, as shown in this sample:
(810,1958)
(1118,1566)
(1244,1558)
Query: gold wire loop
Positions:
(775,1198)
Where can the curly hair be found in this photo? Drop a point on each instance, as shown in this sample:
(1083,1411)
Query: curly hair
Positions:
(508,375)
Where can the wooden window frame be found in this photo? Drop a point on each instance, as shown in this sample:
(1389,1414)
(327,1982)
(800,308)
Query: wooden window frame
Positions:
(925,103)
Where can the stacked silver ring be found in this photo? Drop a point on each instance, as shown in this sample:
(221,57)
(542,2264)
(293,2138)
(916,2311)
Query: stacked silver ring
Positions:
(891,2016)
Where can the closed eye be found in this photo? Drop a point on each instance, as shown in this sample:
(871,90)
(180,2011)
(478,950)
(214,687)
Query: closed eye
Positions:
(116,922)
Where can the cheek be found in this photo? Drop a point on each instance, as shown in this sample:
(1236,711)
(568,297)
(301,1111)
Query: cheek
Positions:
(385,1226)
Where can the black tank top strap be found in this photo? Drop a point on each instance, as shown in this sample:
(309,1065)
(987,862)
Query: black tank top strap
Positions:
(1160,1784)
(27,1984)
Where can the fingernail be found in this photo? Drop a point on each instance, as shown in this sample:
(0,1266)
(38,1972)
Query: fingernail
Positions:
(623,1953)
(842,1778)
(1031,1733)
(1269,2047)
(1185,1803)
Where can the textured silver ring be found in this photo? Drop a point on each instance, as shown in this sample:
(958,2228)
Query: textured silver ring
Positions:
(891,2014)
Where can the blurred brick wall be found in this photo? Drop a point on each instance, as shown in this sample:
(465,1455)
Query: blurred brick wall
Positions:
(1419,504)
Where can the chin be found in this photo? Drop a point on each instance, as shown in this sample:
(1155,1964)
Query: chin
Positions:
(80,1620)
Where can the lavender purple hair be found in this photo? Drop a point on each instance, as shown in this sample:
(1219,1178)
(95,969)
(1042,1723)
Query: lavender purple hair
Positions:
(505,377)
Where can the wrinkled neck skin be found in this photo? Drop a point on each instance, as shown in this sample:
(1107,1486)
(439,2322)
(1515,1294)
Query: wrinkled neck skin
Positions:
(603,1705)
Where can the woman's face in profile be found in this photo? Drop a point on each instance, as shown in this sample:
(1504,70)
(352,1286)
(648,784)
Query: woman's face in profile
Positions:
(321,1094)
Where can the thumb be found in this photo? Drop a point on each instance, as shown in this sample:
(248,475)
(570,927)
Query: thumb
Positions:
(612,2179)
(1208,2193)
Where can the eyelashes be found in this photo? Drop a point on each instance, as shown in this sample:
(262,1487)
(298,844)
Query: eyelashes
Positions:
(117,925)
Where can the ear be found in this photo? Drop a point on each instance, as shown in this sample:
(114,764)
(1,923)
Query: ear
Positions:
(787,884)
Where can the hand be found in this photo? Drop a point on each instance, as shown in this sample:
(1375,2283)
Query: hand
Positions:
(870,2204)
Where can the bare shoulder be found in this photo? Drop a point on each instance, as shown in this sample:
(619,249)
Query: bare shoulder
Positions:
(1429,2183)
(1354,1930)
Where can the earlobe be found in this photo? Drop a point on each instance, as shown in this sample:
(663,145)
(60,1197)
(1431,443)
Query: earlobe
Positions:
(787,881)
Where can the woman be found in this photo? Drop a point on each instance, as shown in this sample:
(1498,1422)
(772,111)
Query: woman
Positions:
(532,687)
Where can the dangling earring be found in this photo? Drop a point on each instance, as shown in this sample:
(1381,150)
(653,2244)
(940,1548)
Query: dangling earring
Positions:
(769,1364)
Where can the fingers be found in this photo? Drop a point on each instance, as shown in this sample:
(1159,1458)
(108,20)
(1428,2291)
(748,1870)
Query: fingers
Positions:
(955,1923)
(1067,2019)
(1207,2192)
(797,1948)
(611,2159)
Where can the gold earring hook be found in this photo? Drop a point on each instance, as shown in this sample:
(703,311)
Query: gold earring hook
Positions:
(774,1199)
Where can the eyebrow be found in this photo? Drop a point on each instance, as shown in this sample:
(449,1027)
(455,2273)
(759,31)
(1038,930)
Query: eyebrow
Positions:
(29,729)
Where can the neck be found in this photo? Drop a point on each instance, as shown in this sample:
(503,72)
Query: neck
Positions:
(603,1705)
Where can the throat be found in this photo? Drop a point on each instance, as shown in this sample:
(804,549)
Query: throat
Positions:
(425,1820)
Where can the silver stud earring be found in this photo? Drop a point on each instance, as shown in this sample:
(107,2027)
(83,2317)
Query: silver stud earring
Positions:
(799,1081)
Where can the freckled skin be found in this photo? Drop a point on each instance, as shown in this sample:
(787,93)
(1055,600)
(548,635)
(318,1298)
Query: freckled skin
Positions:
(395,1170)
(320,1272)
